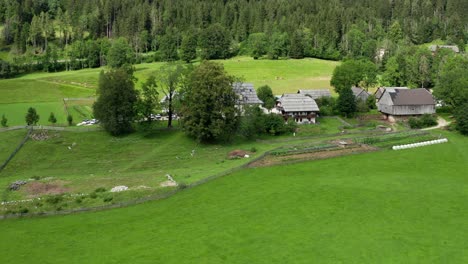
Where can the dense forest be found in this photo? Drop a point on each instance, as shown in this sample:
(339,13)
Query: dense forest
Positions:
(82,32)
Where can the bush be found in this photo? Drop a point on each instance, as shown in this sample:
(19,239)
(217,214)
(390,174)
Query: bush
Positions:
(327,106)
(362,106)
(54,199)
(108,199)
(4,121)
(93,195)
(425,120)
(70,120)
(100,189)
(78,200)
(253,149)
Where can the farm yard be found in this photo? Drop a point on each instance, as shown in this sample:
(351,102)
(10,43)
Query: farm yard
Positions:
(333,191)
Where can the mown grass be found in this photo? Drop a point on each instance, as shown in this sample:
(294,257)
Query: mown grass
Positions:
(15,113)
(387,207)
(8,143)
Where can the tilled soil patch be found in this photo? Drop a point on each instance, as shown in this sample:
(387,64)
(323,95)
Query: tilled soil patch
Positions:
(271,160)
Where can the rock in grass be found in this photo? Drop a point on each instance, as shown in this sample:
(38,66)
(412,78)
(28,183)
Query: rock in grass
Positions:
(16,185)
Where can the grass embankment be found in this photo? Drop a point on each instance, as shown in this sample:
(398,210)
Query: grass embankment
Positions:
(45,91)
(386,207)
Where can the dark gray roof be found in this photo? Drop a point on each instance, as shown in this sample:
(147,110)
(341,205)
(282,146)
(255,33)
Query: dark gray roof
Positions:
(246,93)
(419,96)
(298,103)
(357,91)
(380,91)
(315,94)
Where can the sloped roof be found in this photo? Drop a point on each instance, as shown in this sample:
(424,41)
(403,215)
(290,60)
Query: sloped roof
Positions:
(418,96)
(381,90)
(298,103)
(315,94)
(454,48)
(357,91)
(247,93)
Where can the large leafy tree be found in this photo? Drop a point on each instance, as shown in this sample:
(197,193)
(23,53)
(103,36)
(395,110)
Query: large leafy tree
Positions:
(209,111)
(188,48)
(347,102)
(173,79)
(215,42)
(148,99)
(452,84)
(120,54)
(265,94)
(115,105)
(354,73)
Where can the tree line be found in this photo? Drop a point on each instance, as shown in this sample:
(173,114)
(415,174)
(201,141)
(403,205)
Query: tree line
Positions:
(78,32)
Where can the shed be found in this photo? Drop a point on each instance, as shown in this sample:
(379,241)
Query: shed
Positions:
(298,106)
(360,93)
(315,94)
(406,102)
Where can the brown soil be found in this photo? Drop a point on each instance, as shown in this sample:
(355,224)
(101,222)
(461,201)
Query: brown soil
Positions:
(275,160)
(237,154)
(35,189)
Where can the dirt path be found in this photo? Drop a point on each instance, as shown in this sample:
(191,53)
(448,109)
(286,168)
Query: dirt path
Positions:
(440,123)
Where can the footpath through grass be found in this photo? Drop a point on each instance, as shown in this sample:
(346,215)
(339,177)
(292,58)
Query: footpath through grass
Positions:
(387,207)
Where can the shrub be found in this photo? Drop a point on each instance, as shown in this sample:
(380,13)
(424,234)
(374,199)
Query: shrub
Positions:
(93,195)
(54,199)
(108,199)
(182,186)
(23,210)
(78,200)
(425,120)
(4,121)
(70,120)
(428,120)
(253,149)
(100,189)
(362,106)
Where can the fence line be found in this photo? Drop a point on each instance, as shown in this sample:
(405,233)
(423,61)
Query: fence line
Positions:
(154,197)
(18,148)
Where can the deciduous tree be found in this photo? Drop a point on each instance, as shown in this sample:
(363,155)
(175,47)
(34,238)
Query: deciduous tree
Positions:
(115,105)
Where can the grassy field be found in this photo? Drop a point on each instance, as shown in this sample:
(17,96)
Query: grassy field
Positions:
(386,207)
(41,90)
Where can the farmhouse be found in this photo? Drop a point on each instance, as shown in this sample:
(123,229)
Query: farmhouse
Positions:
(380,91)
(406,102)
(246,93)
(360,93)
(315,94)
(302,108)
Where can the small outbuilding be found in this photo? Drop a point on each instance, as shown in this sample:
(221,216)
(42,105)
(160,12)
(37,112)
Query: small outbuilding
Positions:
(302,108)
(406,102)
(315,94)
(360,93)
(434,48)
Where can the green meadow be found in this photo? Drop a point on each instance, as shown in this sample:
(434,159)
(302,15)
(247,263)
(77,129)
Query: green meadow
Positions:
(45,91)
(405,206)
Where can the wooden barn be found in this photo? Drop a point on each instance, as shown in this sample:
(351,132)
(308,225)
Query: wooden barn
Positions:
(380,91)
(302,108)
(406,102)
